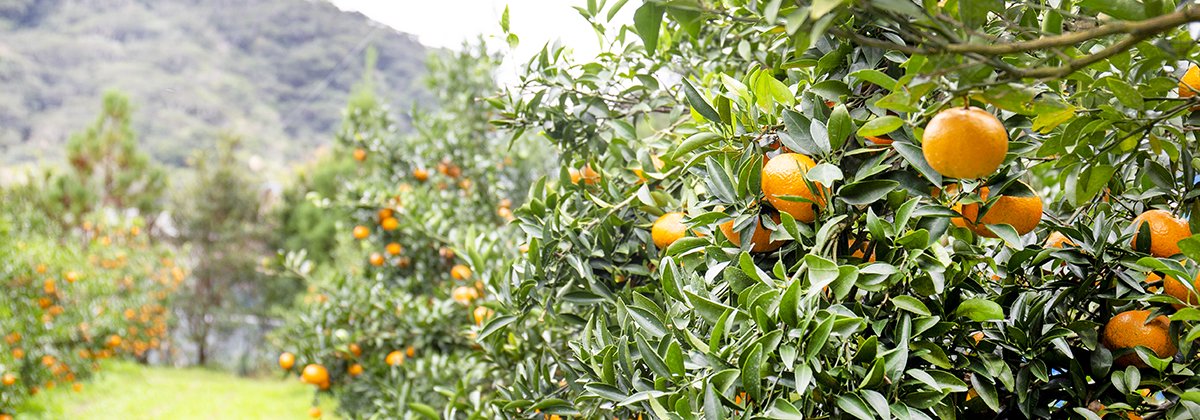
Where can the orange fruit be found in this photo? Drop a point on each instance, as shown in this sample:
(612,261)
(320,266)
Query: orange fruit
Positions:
(72,276)
(460,272)
(589,175)
(1058,240)
(1189,84)
(1023,213)
(360,155)
(464,294)
(1175,288)
(782,176)
(77,387)
(385,213)
(8,379)
(667,229)
(113,340)
(390,224)
(361,232)
(760,242)
(314,412)
(410,351)
(314,374)
(355,369)
(1129,329)
(394,358)
(18,353)
(880,140)
(1165,232)
(287,360)
(376,259)
(965,143)
(481,314)
(394,248)
(421,175)
(355,349)
(8,417)
(860,252)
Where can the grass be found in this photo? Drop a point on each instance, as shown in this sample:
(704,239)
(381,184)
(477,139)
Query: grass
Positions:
(123,390)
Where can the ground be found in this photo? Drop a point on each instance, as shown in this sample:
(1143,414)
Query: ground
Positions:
(123,390)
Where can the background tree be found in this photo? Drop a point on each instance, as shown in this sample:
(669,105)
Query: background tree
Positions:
(221,222)
(106,168)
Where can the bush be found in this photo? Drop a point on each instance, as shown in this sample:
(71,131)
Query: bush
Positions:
(74,296)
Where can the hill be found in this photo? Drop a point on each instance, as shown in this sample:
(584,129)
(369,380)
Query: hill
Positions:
(276,72)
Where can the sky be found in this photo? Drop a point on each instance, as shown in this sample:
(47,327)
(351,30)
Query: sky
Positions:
(447,23)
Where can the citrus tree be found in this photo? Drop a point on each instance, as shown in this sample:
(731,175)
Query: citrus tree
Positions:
(74,296)
(387,326)
(859,209)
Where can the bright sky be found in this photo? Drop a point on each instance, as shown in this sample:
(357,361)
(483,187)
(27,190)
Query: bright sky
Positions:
(447,23)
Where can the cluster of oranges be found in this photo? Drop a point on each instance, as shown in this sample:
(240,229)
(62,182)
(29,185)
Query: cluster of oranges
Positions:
(970,143)
(110,302)
(318,375)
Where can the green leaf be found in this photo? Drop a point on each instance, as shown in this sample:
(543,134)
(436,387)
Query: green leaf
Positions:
(751,368)
(816,341)
(695,141)
(1120,9)
(875,76)
(880,126)
(866,192)
(911,304)
(424,410)
(854,406)
(916,158)
(647,21)
(647,321)
(797,136)
(697,101)
(768,91)
(1126,94)
(980,310)
(986,390)
(1190,246)
(504,20)
(840,126)
(822,7)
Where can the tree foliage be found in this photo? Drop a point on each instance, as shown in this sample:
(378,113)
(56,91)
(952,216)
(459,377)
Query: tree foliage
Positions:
(107,169)
(220,219)
(890,303)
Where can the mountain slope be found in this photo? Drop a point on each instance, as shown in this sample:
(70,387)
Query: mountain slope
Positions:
(276,72)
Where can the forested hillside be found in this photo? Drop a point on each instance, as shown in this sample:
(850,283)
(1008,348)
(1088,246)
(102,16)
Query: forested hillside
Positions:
(275,72)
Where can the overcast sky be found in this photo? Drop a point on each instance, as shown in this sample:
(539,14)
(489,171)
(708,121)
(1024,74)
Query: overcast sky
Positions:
(447,23)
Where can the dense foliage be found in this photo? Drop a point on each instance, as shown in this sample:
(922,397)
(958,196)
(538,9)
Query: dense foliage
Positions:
(390,319)
(73,296)
(266,70)
(825,209)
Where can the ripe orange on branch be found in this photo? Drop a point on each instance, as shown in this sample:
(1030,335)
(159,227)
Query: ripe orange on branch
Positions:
(783,176)
(315,374)
(394,358)
(1129,329)
(1189,84)
(1165,232)
(1023,213)
(361,232)
(965,143)
(460,272)
(667,229)
(760,242)
(287,360)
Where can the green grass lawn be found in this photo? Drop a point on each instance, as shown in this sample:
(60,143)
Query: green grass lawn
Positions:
(125,390)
